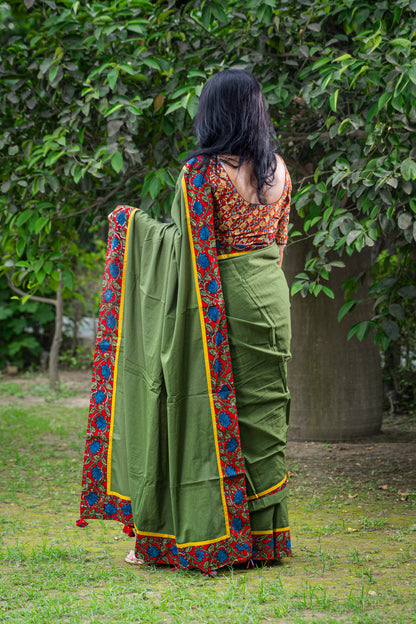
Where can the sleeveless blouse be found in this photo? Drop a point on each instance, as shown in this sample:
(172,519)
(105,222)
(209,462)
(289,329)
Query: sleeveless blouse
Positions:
(241,225)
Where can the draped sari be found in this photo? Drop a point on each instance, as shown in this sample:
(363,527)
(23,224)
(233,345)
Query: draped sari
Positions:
(164,441)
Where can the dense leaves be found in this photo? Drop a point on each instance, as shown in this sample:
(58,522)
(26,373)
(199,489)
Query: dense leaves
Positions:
(97,104)
(362,92)
(25,330)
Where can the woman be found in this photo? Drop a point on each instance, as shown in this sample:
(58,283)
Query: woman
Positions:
(189,406)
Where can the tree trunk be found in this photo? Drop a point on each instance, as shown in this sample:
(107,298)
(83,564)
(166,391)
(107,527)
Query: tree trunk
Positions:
(336,385)
(57,339)
(76,318)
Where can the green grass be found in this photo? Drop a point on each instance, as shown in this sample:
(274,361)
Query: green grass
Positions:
(354,559)
(18,390)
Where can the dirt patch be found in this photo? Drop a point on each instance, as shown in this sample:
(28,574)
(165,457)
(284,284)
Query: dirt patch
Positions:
(385,461)
(34,389)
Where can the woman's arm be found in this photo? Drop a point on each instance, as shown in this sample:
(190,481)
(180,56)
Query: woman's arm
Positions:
(281,235)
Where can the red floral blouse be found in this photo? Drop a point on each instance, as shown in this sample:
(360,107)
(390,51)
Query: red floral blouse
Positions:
(241,225)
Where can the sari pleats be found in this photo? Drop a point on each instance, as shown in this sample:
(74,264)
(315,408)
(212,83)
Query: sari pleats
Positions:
(258,321)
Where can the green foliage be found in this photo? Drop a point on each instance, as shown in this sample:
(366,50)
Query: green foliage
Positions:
(399,324)
(358,83)
(79,358)
(97,105)
(25,329)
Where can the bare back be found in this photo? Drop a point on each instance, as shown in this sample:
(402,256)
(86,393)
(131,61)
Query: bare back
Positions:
(241,178)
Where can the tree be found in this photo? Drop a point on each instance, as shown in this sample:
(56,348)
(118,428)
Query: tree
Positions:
(65,152)
(361,94)
(98,101)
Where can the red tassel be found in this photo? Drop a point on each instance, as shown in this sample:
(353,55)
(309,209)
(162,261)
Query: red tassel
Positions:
(129,530)
(81,523)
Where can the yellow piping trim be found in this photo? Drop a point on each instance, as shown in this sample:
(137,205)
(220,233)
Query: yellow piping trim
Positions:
(205,347)
(164,535)
(122,496)
(235,253)
(270,532)
(256,496)
(120,326)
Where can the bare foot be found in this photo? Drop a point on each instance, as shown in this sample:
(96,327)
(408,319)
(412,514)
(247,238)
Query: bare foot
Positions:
(131,558)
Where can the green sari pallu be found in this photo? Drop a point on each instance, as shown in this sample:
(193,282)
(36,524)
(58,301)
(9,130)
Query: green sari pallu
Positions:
(187,340)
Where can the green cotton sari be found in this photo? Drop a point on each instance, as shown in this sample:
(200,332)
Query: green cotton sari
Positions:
(189,404)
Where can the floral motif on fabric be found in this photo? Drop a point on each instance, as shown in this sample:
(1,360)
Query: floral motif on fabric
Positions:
(240,225)
(272,545)
(95,502)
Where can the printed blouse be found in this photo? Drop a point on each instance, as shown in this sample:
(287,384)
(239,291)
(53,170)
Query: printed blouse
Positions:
(240,224)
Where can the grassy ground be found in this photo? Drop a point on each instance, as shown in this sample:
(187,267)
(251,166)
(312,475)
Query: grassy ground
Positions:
(354,542)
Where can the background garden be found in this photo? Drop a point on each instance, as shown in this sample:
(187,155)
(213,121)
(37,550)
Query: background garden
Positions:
(97,101)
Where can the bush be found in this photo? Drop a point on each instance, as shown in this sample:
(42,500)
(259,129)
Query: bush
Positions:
(25,329)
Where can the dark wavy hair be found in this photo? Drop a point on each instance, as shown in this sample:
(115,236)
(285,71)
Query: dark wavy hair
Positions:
(233,120)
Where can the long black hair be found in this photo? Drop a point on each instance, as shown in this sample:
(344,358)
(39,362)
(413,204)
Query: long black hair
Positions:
(233,120)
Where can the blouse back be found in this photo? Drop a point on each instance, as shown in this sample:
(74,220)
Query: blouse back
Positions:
(241,225)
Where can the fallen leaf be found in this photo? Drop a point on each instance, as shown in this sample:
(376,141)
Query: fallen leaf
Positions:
(404,493)
(372,593)
(383,487)
(350,530)
(369,448)
(290,474)
(352,495)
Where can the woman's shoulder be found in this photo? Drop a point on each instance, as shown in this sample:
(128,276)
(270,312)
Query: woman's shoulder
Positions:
(281,180)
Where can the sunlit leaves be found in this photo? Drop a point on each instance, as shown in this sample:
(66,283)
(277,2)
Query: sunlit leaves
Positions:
(408,169)
(101,92)
(333,100)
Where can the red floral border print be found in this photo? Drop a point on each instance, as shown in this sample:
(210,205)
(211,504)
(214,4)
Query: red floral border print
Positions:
(95,502)
(272,545)
(237,547)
